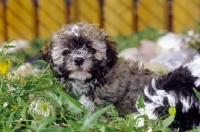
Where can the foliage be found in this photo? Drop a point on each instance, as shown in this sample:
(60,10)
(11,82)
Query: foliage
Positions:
(133,39)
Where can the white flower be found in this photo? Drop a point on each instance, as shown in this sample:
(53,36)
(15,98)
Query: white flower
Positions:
(40,108)
(190,33)
(187,39)
(5,104)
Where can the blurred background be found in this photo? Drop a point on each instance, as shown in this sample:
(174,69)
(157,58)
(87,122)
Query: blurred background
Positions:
(28,19)
(145,25)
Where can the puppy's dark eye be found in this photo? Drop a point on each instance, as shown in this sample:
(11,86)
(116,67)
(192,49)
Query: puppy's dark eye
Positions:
(66,52)
(92,51)
(88,44)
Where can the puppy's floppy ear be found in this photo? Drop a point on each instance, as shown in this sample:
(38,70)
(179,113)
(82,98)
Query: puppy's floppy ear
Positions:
(111,52)
(45,52)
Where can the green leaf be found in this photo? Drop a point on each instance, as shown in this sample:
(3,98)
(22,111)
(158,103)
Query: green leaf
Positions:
(196,93)
(91,119)
(113,112)
(9,41)
(168,120)
(10,119)
(53,97)
(46,121)
(40,63)
(60,129)
(140,103)
(74,125)
(72,103)
(9,46)
(23,113)
(109,129)
(131,124)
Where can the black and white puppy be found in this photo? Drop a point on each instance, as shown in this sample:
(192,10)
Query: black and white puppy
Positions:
(84,57)
(175,90)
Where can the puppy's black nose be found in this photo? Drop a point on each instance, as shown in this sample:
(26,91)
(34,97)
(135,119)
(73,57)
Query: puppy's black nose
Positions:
(78,61)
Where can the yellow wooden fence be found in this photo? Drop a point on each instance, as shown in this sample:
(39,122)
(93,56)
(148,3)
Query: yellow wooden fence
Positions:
(118,16)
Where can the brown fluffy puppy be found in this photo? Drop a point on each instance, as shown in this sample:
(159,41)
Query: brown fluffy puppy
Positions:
(83,57)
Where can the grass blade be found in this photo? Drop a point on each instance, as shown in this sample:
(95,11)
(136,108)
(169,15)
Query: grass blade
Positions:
(72,103)
(90,120)
(46,121)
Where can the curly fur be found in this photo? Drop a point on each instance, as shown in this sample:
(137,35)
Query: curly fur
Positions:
(83,57)
(175,90)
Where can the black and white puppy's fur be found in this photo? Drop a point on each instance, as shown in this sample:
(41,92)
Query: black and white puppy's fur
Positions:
(175,90)
(83,57)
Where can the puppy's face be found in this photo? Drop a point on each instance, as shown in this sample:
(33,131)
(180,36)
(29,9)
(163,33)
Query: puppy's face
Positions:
(80,51)
(79,58)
